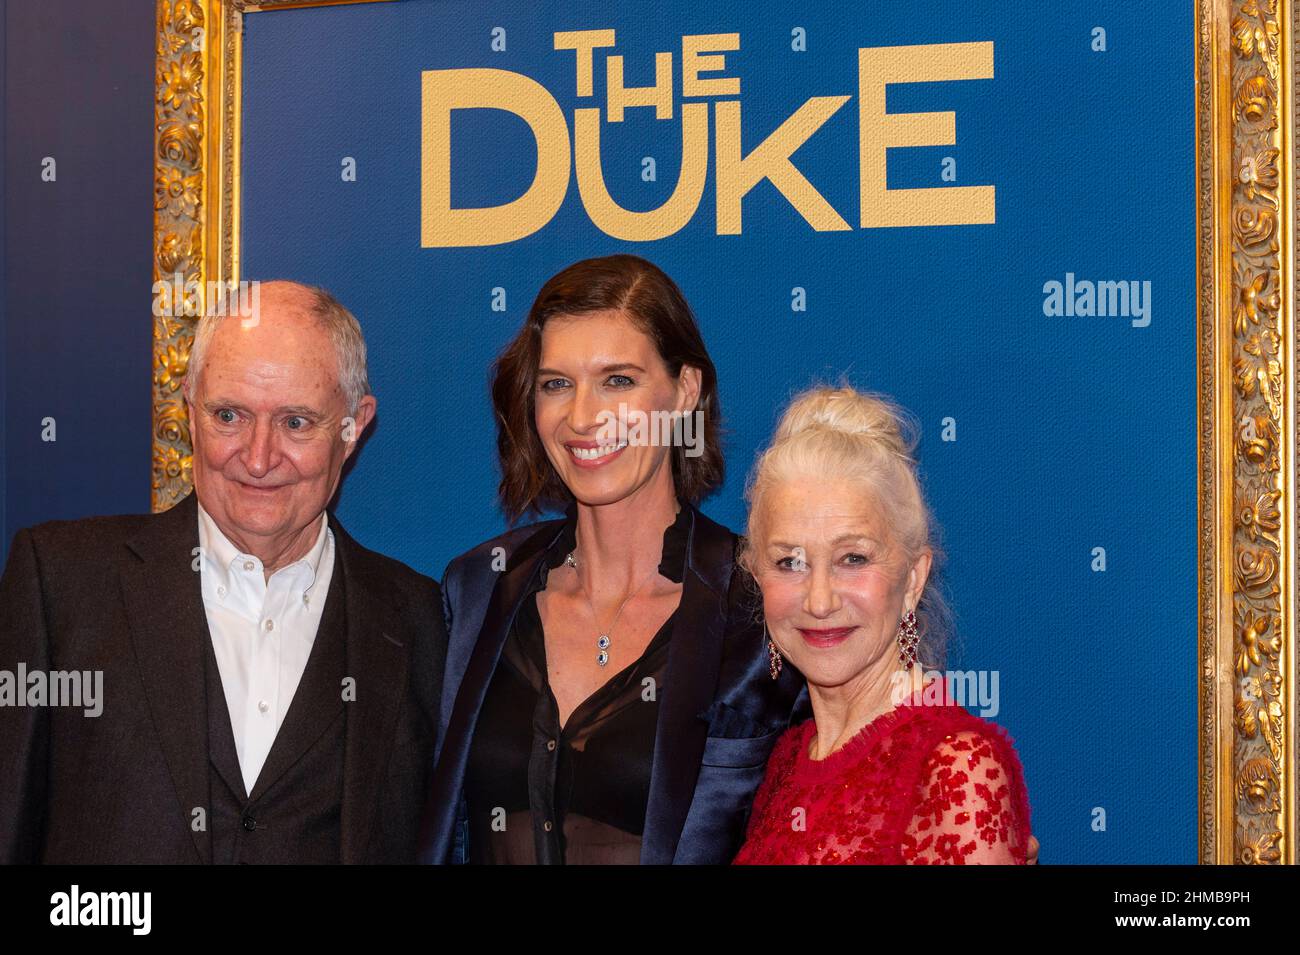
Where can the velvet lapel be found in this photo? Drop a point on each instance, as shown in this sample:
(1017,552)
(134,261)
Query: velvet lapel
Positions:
(521,570)
(690,683)
(318,699)
(163,596)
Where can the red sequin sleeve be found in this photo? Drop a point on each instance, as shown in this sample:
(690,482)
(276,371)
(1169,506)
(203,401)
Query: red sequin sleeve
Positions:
(973,806)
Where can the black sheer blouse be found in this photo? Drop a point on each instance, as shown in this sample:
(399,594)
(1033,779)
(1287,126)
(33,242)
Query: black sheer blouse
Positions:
(539,794)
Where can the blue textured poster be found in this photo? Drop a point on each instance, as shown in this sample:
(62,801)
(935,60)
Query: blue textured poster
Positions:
(986,214)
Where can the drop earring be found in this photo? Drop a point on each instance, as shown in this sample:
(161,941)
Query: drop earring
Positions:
(907,640)
(773,655)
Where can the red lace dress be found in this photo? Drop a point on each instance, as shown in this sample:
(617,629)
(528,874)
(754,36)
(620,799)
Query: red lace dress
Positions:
(927,783)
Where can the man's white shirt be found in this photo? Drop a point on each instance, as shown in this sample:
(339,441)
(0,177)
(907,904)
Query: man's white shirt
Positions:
(262,632)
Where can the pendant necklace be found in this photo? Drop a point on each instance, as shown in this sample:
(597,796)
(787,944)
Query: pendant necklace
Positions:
(602,641)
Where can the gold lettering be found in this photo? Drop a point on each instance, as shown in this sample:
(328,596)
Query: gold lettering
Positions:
(694,63)
(620,223)
(660,96)
(584,41)
(770,160)
(446,90)
(878,131)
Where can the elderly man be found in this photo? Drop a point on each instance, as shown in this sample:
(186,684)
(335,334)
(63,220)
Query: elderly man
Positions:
(269,686)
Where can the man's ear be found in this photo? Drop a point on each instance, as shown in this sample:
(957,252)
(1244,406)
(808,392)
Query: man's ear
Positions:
(190,410)
(356,424)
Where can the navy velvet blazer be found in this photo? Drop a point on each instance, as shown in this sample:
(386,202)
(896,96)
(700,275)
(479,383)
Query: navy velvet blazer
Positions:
(720,712)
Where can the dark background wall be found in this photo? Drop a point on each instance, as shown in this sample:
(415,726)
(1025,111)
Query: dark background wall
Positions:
(78,87)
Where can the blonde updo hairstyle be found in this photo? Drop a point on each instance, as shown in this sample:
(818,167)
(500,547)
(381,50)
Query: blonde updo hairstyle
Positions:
(866,438)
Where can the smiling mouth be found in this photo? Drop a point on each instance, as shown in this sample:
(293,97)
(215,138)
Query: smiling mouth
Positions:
(592,455)
(258,488)
(826,638)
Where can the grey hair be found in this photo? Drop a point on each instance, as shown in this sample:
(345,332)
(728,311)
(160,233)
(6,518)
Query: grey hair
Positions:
(341,325)
(870,439)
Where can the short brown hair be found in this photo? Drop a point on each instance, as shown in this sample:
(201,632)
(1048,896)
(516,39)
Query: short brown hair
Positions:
(655,305)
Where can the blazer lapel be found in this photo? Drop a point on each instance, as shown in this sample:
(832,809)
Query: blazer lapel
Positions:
(221,736)
(163,596)
(377,660)
(507,595)
(690,683)
(318,699)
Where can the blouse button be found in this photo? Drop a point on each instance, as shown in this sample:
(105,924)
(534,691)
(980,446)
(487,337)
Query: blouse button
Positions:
(550,745)
(547,825)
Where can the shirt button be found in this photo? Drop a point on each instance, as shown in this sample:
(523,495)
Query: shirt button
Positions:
(221,591)
(263,705)
(550,745)
(269,626)
(248,565)
(547,825)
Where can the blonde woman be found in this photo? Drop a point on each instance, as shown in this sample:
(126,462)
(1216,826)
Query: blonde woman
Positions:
(888,770)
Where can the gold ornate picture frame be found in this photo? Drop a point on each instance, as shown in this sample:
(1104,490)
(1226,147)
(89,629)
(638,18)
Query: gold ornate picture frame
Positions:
(1247,353)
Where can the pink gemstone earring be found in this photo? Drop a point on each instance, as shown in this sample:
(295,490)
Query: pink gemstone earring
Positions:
(907,640)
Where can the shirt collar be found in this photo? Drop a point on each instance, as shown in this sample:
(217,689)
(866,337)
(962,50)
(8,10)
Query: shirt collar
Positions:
(672,560)
(223,554)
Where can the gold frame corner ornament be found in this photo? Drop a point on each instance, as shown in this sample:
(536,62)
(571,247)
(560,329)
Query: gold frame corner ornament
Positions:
(1247,354)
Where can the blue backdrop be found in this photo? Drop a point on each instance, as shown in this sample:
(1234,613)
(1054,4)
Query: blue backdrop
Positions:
(1072,432)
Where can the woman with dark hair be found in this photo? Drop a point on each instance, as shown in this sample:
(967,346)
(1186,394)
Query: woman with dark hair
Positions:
(609,695)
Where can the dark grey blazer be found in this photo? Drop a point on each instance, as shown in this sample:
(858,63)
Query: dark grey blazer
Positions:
(122,595)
